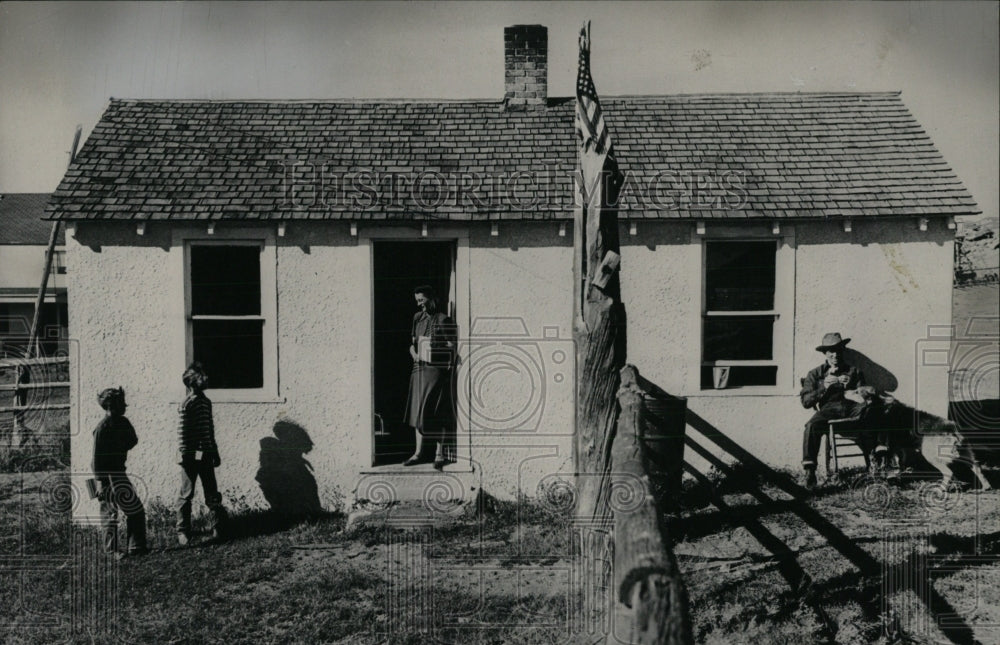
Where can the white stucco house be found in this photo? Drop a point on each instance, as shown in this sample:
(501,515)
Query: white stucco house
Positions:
(279,243)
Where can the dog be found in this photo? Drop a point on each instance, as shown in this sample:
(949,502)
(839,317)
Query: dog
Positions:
(907,429)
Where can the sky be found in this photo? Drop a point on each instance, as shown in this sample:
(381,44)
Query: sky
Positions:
(61,62)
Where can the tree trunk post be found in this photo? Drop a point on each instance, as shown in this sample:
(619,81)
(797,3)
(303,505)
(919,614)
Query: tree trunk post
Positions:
(599,333)
(599,316)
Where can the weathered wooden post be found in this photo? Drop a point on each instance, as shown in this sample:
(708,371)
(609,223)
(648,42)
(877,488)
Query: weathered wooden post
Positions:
(599,315)
(613,464)
(651,600)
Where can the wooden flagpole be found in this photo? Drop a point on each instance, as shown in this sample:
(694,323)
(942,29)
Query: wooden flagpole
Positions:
(613,468)
(599,328)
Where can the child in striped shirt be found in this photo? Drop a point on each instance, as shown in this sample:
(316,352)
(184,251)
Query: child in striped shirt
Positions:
(198,455)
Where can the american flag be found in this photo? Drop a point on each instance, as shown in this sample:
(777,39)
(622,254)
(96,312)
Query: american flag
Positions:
(594,136)
(599,180)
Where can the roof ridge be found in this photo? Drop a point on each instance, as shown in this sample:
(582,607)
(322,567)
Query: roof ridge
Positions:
(305,101)
(739,94)
(679,95)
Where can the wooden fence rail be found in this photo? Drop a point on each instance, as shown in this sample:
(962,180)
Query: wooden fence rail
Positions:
(31,404)
(35,408)
(39,360)
(652,605)
(32,386)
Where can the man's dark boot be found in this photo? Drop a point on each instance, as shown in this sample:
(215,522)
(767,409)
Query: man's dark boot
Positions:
(810,479)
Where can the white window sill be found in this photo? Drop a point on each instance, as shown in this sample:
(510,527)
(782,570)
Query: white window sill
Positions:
(754,390)
(218,397)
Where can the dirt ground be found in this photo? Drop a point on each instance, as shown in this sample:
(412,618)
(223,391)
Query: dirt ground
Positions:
(859,562)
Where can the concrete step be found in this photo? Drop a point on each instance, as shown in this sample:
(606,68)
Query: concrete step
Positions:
(415,494)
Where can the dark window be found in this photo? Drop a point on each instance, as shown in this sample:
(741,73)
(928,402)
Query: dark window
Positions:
(225,280)
(742,376)
(738,324)
(227,329)
(742,338)
(739,276)
(232,352)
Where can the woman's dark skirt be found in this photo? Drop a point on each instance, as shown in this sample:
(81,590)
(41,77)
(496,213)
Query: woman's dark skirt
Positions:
(428,405)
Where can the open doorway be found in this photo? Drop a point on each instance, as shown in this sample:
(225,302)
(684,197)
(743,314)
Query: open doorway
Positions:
(398,268)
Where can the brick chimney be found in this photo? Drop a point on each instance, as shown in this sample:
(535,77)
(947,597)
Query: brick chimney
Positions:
(526,60)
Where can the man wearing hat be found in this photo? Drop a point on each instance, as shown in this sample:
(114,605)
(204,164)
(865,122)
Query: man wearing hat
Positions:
(824,389)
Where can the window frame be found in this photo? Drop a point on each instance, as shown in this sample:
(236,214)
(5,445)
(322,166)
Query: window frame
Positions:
(59,261)
(264,240)
(783,311)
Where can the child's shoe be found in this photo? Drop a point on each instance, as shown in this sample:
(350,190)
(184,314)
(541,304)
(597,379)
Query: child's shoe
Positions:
(183,539)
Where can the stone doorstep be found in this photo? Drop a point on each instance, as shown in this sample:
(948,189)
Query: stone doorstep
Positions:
(414,493)
(425,468)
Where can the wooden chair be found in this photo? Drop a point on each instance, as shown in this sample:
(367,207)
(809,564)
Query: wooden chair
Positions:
(839,446)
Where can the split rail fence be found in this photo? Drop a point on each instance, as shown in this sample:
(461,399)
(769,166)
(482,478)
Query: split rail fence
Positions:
(36,401)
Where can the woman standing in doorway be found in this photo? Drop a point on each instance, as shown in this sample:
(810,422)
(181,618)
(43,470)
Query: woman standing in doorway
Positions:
(429,403)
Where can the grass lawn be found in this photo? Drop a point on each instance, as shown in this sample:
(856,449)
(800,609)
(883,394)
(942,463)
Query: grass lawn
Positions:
(307,581)
(848,565)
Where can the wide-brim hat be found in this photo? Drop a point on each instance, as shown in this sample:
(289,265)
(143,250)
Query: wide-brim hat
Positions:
(831,342)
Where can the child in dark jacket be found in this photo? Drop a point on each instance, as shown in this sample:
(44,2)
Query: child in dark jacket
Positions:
(114,436)
(198,455)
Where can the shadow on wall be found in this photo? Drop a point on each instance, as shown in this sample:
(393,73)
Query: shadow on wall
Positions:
(875,375)
(285,477)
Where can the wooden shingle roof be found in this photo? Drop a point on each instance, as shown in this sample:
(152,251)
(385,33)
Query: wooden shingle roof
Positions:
(735,156)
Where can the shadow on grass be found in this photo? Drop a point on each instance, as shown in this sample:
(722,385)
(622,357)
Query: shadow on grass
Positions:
(251,524)
(244,525)
(751,478)
(872,592)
